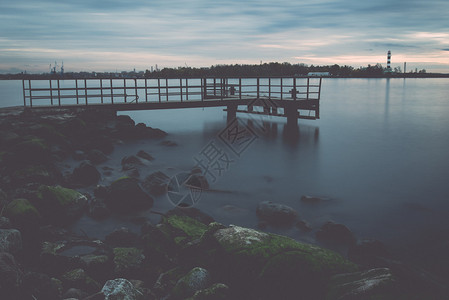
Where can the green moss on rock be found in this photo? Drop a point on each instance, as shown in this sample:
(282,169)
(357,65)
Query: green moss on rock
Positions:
(185,227)
(128,261)
(22,213)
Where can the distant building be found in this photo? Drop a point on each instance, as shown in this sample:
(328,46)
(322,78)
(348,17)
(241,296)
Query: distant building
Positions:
(318,74)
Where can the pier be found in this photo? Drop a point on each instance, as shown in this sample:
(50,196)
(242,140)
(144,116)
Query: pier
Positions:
(292,97)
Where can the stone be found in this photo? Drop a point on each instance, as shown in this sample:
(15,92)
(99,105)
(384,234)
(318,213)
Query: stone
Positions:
(32,150)
(23,214)
(130,162)
(99,266)
(128,262)
(145,155)
(372,284)
(156,183)
(5,223)
(197,279)
(122,237)
(60,205)
(10,241)
(120,289)
(167,281)
(369,253)
(96,156)
(127,196)
(335,234)
(217,291)
(86,174)
(98,209)
(276,214)
(169,143)
(41,286)
(10,276)
(73,293)
(78,278)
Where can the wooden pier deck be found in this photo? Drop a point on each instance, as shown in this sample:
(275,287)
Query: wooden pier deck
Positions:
(294,98)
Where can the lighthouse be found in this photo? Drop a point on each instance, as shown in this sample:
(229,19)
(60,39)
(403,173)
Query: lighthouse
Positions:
(388,62)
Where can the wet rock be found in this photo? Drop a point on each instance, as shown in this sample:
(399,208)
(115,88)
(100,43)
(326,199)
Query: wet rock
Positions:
(218,291)
(75,294)
(10,241)
(369,253)
(99,266)
(335,234)
(276,214)
(32,150)
(303,226)
(23,214)
(41,286)
(10,276)
(198,181)
(313,199)
(60,205)
(371,284)
(96,156)
(130,162)
(145,155)
(120,289)
(169,143)
(167,281)
(78,278)
(98,209)
(156,183)
(128,262)
(39,173)
(274,266)
(126,196)
(197,279)
(5,223)
(86,174)
(79,155)
(122,237)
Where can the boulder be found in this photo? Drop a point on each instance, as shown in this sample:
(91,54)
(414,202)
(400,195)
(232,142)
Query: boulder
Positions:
(32,150)
(197,279)
(122,237)
(79,279)
(10,276)
(130,162)
(156,183)
(96,156)
(372,284)
(276,214)
(145,155)
(335,233)
(128,262)
(23,214)
(99,266)
(10,241)
(60,205)
(41,286)
(167,281)
(368,253)
(126,196)
(120,289)
(86,174)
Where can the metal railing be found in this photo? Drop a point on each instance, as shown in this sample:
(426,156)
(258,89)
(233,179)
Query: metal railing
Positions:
(62,92)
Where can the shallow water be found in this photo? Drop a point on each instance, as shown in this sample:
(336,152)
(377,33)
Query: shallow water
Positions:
(379,153)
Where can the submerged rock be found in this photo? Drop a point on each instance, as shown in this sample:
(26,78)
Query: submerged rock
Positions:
(126,196)
(145,155)
(156,183)
(276,214)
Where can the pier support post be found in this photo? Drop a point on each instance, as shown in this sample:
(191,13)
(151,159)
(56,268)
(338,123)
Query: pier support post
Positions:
(232,112)
(292,116)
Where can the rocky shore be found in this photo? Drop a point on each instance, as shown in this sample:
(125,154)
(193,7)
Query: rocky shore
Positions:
(186,255)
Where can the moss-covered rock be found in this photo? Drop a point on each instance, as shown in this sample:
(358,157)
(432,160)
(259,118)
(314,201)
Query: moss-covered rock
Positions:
(30,150)
(33,174)
(218,291)
(78,278)
(23,214)
(197,279)
(128,262)
(60,205)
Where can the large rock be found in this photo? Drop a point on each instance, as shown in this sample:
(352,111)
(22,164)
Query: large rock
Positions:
(41,286)
(120,289)
(156,183)
(96,156)
(126,196)
(10,241)
(275,266)
(129,262)
(60,205)
(335,233)
(276,214)
(86,174)
(23,214)
(78,278)
(197,279)
(31,150)
(10,276)
(371,284)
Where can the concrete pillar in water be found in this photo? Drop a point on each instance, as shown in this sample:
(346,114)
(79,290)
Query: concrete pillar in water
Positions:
(232,112)
(292,116)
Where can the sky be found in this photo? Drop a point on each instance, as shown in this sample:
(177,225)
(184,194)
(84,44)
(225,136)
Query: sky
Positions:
(117,35)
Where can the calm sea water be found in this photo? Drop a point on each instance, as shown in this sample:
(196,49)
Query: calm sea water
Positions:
(380,153)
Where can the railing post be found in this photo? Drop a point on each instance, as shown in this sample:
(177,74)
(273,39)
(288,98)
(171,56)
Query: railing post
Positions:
(215,86)
(294,89)
(240,88)
(85,89)
(101,90)
(187,89)
(59,94)
(24,95)
(166,87)
(146,90)
(135,90)
(203,88)
(76,91)
(159,89)
(258,87)
(221,88)
(180,87)
(308,82)
(282,87)
(51,93)
(124,89)
(112,92)
(269,88)
(319,90)
(31,96)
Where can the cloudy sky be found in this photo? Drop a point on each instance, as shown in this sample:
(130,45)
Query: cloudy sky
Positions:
(110,35)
